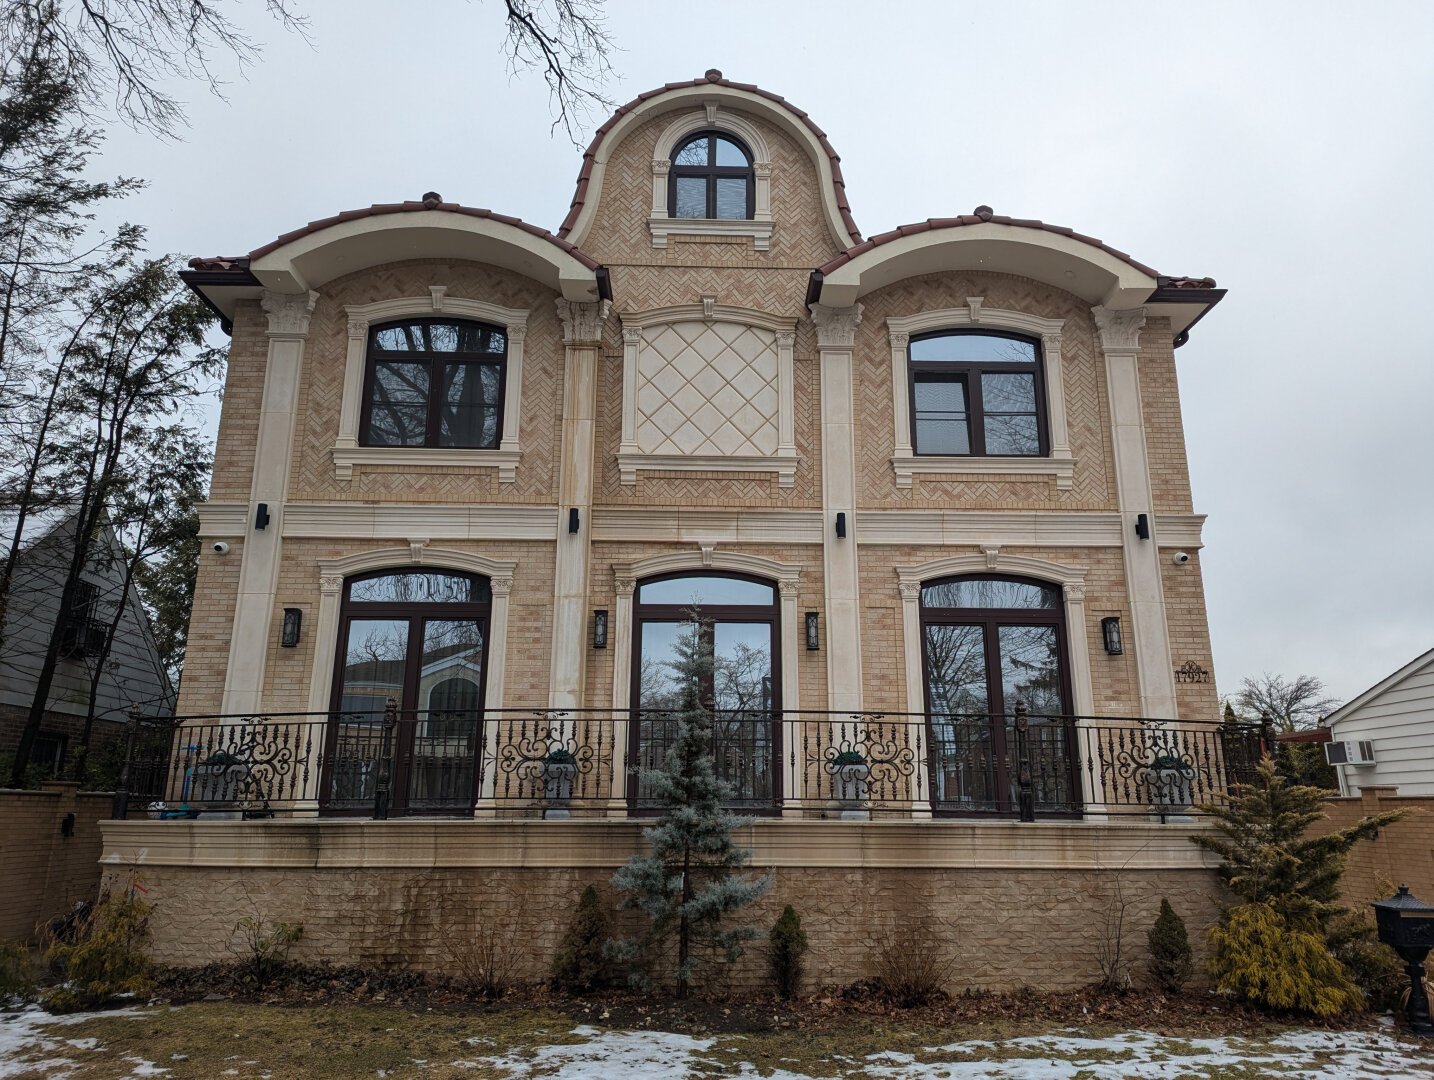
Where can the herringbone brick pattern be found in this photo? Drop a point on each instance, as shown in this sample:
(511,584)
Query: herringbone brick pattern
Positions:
(620,235)
(1087,421)
(322,388)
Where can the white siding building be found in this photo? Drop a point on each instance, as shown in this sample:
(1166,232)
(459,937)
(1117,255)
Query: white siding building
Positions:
(1396,715)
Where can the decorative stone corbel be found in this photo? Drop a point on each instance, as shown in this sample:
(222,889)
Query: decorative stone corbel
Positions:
(836,326)
(288,312)
(583,323)
(1119,329)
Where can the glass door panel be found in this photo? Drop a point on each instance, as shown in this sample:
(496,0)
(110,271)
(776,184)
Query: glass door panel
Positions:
(443,757)
(743,743)
(964,759)
(1031,672)
(659,698)
(374,662)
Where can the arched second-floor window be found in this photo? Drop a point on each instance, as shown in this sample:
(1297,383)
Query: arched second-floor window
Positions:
(434,382)
(712,177)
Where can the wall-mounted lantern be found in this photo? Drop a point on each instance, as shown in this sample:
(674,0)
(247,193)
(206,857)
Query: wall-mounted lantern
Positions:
(1142,526)
(813,639)
(574,520)
(599,629)
(841,526)
(289,635)
(1110,634)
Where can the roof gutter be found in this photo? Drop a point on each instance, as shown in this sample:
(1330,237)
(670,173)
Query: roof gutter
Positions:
(199,280)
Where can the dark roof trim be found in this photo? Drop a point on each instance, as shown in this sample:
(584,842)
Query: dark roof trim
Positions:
(982,216)
(200,279)
(712,78)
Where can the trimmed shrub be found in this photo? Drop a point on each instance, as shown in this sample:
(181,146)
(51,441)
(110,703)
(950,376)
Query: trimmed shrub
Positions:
(17,974)
(1170,960)
(1260,958)
(107,959)
(786,944)
(580,964)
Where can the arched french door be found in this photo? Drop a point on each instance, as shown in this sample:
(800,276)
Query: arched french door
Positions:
(419,637)
(736,631)
(988,643)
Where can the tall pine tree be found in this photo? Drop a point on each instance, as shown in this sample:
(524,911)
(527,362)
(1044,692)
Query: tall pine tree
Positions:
(689,883)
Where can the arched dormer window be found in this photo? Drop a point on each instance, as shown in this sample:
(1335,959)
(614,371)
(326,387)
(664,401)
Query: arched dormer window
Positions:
(712,177)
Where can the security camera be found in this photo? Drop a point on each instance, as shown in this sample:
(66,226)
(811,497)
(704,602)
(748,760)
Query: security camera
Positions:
(221,547)
(1181,558)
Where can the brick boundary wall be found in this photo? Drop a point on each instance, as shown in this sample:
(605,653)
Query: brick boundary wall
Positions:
(44,873)
(1402,853)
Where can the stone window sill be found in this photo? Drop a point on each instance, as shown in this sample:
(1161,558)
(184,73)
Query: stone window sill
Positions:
(505,461)
(664,227)
(784,465)
(1062,468)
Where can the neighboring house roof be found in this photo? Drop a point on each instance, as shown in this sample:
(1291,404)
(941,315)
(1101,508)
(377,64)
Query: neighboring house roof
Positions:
(1386,684)
(38,525)
(713,77)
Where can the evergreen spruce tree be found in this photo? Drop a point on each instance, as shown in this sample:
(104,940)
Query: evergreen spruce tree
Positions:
(1170,961)
(579,965)
(786,945)
(1269,859)
(1275,950)
(688,883)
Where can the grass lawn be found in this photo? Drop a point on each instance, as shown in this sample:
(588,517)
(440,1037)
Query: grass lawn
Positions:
(208,1040)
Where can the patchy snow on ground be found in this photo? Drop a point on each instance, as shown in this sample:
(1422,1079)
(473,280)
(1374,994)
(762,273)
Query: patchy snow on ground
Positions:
(632,1055)
(20,1033)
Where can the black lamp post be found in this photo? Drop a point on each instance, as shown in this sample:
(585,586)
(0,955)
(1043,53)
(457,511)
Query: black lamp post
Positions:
(1406,924)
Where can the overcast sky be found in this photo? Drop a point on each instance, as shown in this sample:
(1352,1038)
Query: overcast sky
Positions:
(1285,149)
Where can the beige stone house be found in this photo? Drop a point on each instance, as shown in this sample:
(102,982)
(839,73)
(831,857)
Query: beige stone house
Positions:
(929,489)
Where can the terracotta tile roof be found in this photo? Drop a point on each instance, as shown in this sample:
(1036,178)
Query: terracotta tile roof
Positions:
(430,201)
(714,78)
(981,216)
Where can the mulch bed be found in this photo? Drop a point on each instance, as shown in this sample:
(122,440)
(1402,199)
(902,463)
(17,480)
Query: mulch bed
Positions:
(1192,1014)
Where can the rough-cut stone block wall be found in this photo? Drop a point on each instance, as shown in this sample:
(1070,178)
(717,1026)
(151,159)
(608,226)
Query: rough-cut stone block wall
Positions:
(1005,928)
(1402,853)
(1087,411)
(44,872)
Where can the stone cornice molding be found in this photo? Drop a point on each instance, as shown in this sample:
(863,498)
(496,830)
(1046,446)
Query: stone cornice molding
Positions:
(346,566)
(583,323)
(1119,329)
(836,326)
(637,320)
(289,313)
(988,562)
(974,315)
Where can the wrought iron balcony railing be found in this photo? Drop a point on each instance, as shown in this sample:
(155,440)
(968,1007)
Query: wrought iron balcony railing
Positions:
(589,762)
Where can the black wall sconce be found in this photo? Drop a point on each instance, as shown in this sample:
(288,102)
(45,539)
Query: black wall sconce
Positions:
(1142,526)
(841,526)
(67,826)
(261,516)
(599,629)
(1110,634)
(289,635)
(813,641)
(573,520)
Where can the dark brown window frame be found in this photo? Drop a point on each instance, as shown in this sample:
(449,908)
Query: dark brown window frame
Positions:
(751,613)
(711,172)
(415,611)
(969,373)
(373,356)
(990,619)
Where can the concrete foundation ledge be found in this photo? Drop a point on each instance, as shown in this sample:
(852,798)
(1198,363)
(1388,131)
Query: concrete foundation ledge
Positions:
(418,844)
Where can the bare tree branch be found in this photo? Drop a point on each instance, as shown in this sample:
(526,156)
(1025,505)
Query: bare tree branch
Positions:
(568,41)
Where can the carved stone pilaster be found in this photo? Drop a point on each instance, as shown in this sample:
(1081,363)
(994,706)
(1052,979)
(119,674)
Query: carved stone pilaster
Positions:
(624,586)
(331,583)
(1075,591)
(787,588)
(786,339)
(660,167)
(836,326)
(500,586)
(898,340)
(288,312)
(582,323)
(910,590)
(1119,329)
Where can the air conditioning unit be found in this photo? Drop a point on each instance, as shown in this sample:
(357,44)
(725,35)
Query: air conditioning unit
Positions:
(1360,752)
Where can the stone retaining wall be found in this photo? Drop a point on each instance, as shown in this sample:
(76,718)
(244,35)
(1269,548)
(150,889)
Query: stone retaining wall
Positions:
(418,895)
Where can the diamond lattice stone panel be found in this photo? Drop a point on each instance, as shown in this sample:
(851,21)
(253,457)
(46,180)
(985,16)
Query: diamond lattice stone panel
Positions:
(707,389)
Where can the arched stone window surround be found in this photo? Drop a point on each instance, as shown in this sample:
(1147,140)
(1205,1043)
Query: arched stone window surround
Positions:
(346,451)
(1059,465)
(1071,579)
(631,459)
(712,115)
(786,576)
